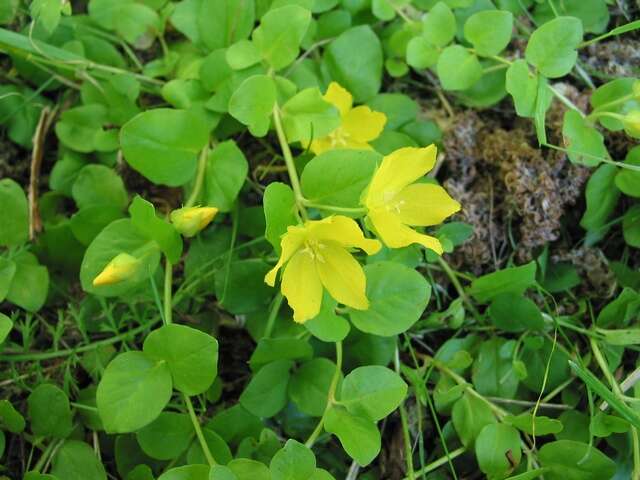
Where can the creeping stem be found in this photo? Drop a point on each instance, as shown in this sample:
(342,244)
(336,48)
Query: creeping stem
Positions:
(198,429)
(331,397)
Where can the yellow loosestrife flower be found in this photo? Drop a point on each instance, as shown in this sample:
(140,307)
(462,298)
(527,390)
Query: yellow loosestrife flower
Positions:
(316,257)
(358,126)
(190,220)
(395,203)
(121,268)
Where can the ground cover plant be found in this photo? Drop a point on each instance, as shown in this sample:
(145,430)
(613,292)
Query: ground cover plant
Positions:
(319,239)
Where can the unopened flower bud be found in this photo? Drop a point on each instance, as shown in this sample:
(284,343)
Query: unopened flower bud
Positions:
(190,220)
(121,268)
(631,123)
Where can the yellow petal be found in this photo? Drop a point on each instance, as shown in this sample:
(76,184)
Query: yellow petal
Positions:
(345,231)
(363,124)
(396,234)
(290,243)
(399,169)
(424,204)
(339,97)
(320,145)
(122,267)
(342,276)
(301,286)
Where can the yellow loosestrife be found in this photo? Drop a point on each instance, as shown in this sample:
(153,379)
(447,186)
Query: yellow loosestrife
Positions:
(358,126)
(316,257)
(190,220)
(395,202)
(122,267)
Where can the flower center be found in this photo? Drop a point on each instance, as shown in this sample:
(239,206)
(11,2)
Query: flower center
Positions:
(392,205)
(314,248)
(339,138)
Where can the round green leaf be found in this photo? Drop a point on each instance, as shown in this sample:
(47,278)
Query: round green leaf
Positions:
(245,469)
(489,41)
(5,327)
(584,143)
(571,460)
(309,386)
(30,282)
(514,313)
(421,54)
(293,462)
(163,144)
(631,226)
(14,227)
(523,87)
(49,412)
(187,472)
(132,392)
(266,393)
(77,461)
(457,68)
(358,435)
(498,450)
(252,103)
(397,297)
(226,172)
(191,356)
(372,391)
(99,185)
(627,180)
(469,416)
(167,436)
(439,25)
(552,47)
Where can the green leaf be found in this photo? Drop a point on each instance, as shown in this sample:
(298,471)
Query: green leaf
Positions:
(512,280)
(358,435)
(134,389)
(87,223)
(307,115)
(621,311)
(543,102)
(569,460)
(514,313)
(252,103)
(190,355)
(498,450)
(7,272)
(130,19)
(145,220)
(582,141)
(30,283)
(627,180)
(469,416)
(279,211)
(398,295)
(538,425)
(187,472)
(523,87)
(118,237)
(280,33)
(359,70)
(631,226)
(457,68)
(164,144)
(47,13)
(245,469)
(227,169)
(602,197)
(552,47)
(372,391)
(617,97)
(5,327)
(338,177)
(243,290)
(14,228)
(99,185)
(49,412)
(10,419)
(489,41)
(439,25)
(80,129)
(327,326)
(243,54)
(217,446)
(493,373)
(167,436)
(282,348)
(421,54)
(77,461)
(603,425)
(309,386)
(293,462)
(266,393)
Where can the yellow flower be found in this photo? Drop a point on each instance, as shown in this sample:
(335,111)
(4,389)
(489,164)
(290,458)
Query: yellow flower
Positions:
(190,220)
(316,256)
(631,122)
(395,203)
(121,268)
(358,126)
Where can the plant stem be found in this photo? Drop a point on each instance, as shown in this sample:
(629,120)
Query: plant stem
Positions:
(288,159)
(197,186)
(441,461)
(355,211)
(408,451)
(271,321)
(458,286)
(168,280)
(198,429)
(330,397)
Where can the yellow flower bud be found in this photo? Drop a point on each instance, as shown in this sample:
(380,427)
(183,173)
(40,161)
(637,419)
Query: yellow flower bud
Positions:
(631,123)
(121,268)
(190,220)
